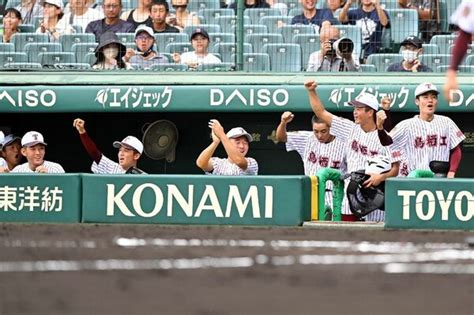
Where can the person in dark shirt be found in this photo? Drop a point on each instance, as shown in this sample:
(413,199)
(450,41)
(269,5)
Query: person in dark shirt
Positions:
(111,22)
(250,4)
(313,16)
(371,18)
(139,15)
(412,48)
(159,12)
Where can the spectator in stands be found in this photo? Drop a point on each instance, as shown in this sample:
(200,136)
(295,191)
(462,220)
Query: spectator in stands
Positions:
(312,16)
(251,4)
(412,48)
(427,21)
(144,56)
(371,18)
(159,12)
(109,53)
(52,13)
(111,22)
(89,3)
(200,42)
(10,156)
(236,145)
(330,59)
(80,15)
(11,20)
(182,17)
(140,15)
(30,9)
(333,5)
(276,4)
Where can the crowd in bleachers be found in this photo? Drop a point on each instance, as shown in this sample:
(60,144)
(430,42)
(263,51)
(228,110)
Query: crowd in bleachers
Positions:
(278,35)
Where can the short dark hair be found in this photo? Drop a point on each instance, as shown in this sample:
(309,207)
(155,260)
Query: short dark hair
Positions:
(161,2)
(316,120)
(14,11)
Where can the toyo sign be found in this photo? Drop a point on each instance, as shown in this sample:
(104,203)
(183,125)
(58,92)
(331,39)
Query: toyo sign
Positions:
(437,203)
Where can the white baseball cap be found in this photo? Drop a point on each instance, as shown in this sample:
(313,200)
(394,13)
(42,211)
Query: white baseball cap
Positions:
(144,28)
(239,132)
(425,87)
(131,142)
(32,138)
(366,99)
(57,3)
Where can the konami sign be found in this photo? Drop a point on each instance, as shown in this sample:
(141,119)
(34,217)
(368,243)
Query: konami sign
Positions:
(170,198)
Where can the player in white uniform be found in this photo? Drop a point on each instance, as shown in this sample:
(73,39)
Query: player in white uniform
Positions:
(318,149)
(130,151)
(360,138)
(428,137)
(33,148)
(10,148)
(236,144)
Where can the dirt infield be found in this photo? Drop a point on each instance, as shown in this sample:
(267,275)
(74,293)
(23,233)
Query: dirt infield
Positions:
(154,269)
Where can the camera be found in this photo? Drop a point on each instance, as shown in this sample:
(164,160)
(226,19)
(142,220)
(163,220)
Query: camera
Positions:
(341,46)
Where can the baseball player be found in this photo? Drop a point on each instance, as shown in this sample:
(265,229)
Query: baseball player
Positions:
(317,149)
(33,148)
(463,17)
(427,136)
(10,148)
(361,141)
(236,144)
(130,151)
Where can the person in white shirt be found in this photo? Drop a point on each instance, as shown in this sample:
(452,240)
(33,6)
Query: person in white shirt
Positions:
(10,147)
(236,144)
(33,148)
(200,42)
(80,15)
(53,12)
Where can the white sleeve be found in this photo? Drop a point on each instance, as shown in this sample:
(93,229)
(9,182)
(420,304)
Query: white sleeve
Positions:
(456,136)
(252,167)
(297,140)
(341,127)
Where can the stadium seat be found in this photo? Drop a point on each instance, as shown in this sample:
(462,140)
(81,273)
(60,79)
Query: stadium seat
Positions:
(78,29)
(389,4)
(128,5)
(80,50)
(308,44)
(196,5)
(12,4)
(227,50)
(258,40)
(211,15)
(225,66)
(469,61)
(252,29)
(382,61)
(210,28)
(403,23)
(222,38)
(289,31)
(36,21)
(284,57)
(178,48)
(68,40)
(368,68)
(443,42)
(126,37)
(26,28)
(466,69)
(256,62)
(228,23)
(72,66)
(295,11)
(169,67)
(257,13)
(444,18)
(7,47)
(23,65)
(163,39)
(430,49)
(90,58)
(34,49)
(22,39)
(435,60)
(354,33)
(272,22)
(291,4)
(51,58)
(8,57)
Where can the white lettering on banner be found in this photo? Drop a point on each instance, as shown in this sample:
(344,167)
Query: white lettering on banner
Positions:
(426,200)
(208,201)
(29,98)
(458,97)
(134,97)
(250,97)
(31,198)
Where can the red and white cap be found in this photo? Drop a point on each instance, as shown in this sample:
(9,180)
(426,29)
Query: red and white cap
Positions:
(425,87)
(366,99)
(130,142)
(32,138)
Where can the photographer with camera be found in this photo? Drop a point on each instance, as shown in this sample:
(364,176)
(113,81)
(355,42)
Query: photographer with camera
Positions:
(336,54)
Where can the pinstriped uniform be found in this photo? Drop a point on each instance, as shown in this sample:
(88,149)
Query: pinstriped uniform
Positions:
(51,167)
(316,155)
(107,166)
(225,167)
(3,163)
(464,16)
(360,146)
(425,141)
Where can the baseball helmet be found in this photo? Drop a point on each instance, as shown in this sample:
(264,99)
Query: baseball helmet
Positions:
(377,165)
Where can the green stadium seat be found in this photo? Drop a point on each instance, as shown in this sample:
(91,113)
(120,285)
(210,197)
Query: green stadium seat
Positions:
(34,49)
(222,38)
(404,23)
(27,28)
(289,31)
(20,40)
(368,68)
(295,11)
(37,21)
(382,61)
(466,69)
(23,66)
(227,51)
(272,22)
(257,13)
(178,48)
(211,15)
(258,40)
(72,66)
(169,67)
(228,23)
(435,60)
(256,62)
(443,42)
(197,5)
(126,37)
(7,47)
(291,4)
(12,4)
(210,28)
(78,29)
(225,66)
(80,50)
(469,61)
(308,43)
(444,18)
(51,58)
(354,33)
(252,29)
(389,4)
(128,5)
(284,57)
(8,57)
(90,58)
(430,49)
(163,39)
(68,40)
